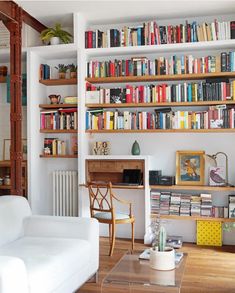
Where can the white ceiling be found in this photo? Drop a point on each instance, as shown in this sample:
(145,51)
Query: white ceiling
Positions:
(49,12)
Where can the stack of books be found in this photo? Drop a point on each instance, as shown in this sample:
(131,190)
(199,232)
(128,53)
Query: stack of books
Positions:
(206,205)
(155,202)
(165,202)
(195,205)
(175,204)
(185,205)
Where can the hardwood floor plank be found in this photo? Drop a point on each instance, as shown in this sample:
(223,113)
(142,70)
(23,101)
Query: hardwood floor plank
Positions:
(208,269)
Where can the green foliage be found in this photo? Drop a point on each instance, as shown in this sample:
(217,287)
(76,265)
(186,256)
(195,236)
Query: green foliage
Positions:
(72,67)
(50,32)
(62,68)
(159,233)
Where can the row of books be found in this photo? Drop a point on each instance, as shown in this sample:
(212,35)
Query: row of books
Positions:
(44,71)
(214,117)
(179,204)
(142,66)
(54,146)
(59,119)
(208,90)
(150,33)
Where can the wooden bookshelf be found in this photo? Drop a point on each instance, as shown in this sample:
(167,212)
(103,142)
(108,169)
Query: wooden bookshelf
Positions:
(58,130)
(194,187)
(58,156)
(168,104)
(192,76)
(51,82)
(3,79)
(192,218)
(57,106)
(217,130)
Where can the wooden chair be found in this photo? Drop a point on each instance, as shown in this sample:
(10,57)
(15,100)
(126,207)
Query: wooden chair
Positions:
(102,208)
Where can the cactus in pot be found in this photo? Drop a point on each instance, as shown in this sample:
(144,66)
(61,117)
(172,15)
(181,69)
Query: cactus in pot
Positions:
(162,257)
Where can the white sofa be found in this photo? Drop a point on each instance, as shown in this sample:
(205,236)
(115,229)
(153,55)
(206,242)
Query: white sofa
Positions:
(40,254)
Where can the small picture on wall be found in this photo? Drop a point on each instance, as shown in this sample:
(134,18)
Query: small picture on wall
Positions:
(190,167)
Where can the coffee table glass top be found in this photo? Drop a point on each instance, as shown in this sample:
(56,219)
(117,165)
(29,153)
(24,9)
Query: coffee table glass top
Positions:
(132,271)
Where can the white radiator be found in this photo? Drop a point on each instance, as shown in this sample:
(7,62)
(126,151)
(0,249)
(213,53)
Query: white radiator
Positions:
(65,193)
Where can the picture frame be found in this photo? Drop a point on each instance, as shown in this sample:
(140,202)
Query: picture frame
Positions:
(190,167)
(7,147)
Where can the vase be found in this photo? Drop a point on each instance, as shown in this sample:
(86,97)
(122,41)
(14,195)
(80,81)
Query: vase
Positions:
(62,75)
(55,41)
(135,149)
(162,260)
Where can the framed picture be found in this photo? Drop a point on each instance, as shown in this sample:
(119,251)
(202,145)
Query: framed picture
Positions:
(190,167)
(7,147)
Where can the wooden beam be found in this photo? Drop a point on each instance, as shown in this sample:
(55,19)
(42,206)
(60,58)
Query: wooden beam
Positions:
(33,22)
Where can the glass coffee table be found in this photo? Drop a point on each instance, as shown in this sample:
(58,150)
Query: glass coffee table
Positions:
(133,275)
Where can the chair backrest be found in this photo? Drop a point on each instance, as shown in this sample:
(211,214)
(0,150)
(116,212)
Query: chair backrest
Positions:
(13,210)
(100,195)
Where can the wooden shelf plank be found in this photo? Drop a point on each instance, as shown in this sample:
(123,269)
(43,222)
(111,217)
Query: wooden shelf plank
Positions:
(3,79)
(122,186)
(193,76)
(190,187)
(170,104)
(59,156)
(8,187)
(58,130)
(192,218)
(51,82)
(57,106)
(217,130)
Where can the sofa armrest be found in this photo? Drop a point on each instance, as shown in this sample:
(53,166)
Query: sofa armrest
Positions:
(65,227)
(13,275)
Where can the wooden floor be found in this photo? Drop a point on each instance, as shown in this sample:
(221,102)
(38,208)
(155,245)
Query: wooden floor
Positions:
(208,269)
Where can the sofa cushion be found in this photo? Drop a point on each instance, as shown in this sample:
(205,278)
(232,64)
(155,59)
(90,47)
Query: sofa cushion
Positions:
(13,209)
(49,261)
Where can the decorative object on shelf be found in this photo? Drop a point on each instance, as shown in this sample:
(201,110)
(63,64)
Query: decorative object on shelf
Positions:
(55,35)
(74,144)
(135,150)
(55,99)
(101,148)
(3,70)
(1,181)
(62,69)
(190,167)
(73,70)
(216,174)
(70,100)
(162,257)
(7,180)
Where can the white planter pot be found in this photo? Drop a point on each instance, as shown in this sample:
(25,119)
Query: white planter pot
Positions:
(55,41)
(162,260)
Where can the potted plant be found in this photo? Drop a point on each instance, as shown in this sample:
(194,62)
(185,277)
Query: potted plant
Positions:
(62,69)
(162,257)
(55,35)
(73,70)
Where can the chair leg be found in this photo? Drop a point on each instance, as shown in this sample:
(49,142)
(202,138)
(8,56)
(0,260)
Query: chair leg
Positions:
(113,240)
(132,234)
(110,234)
